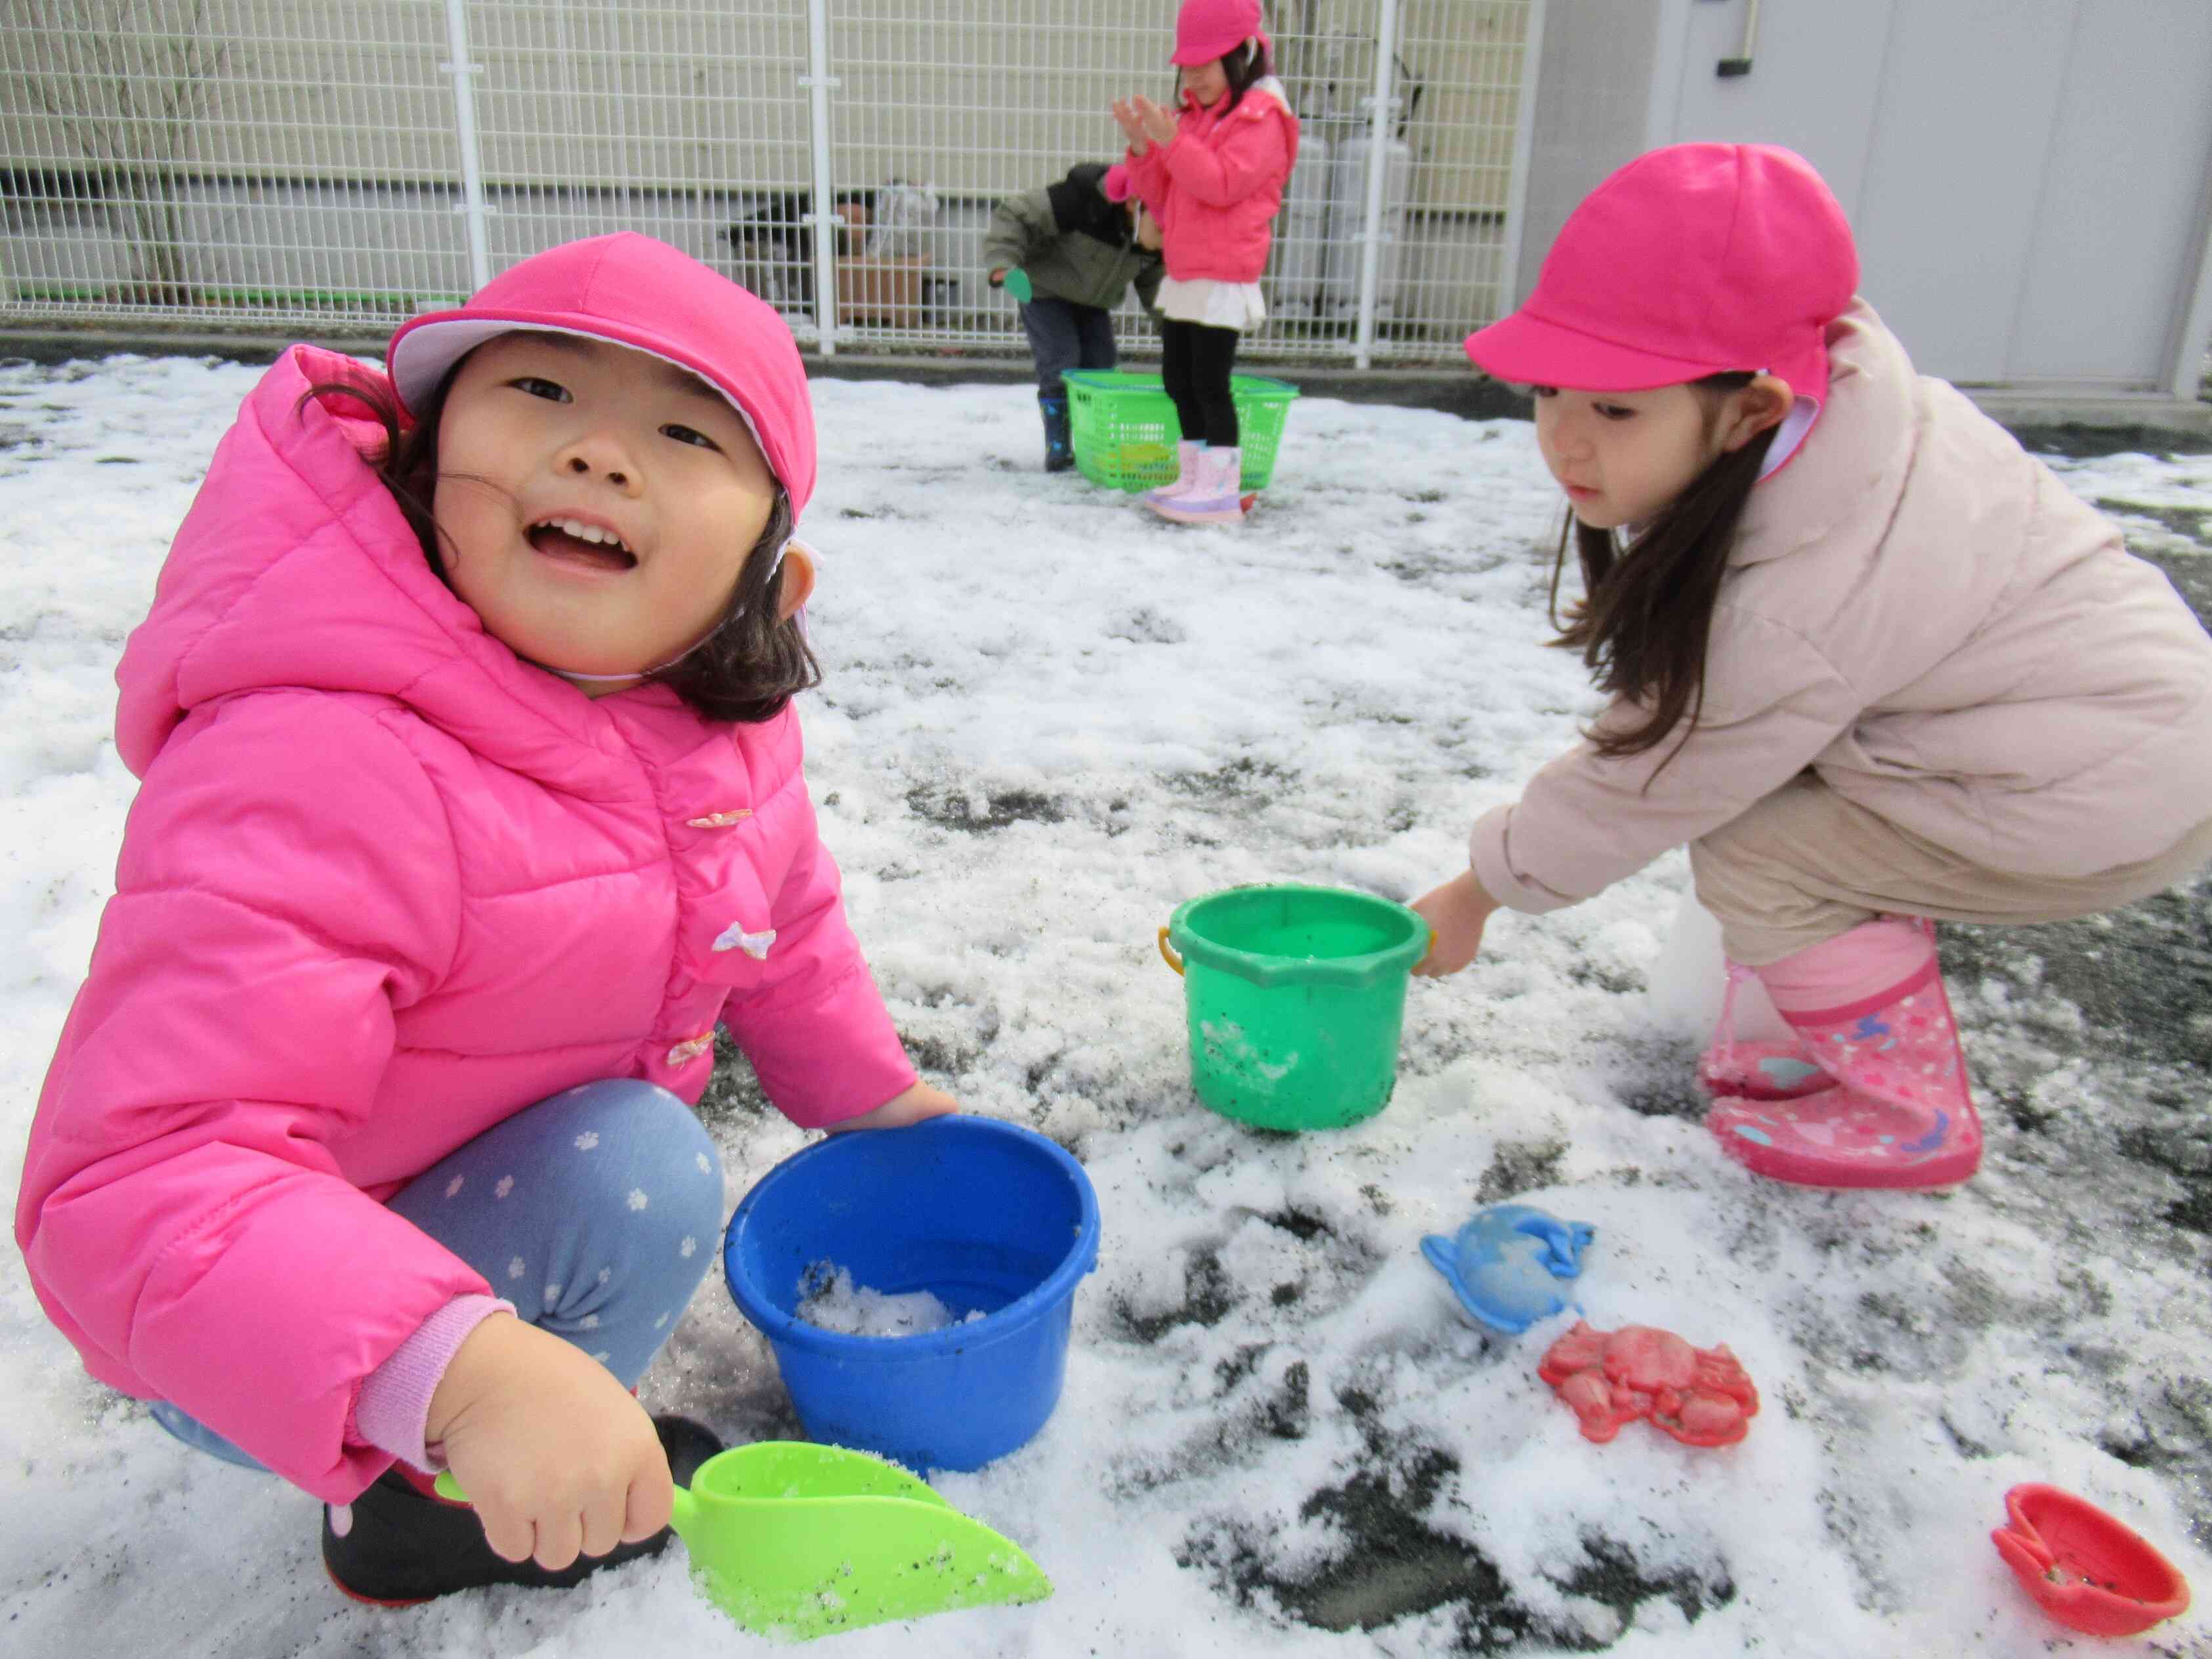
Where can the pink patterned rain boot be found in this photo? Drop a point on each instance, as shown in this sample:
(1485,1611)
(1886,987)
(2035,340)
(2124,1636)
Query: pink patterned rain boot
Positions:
(1215,498)
(1187,473)
(1876,1096)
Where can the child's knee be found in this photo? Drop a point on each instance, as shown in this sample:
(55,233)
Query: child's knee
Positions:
(631,1146)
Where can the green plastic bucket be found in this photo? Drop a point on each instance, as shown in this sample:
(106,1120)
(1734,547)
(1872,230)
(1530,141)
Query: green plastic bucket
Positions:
(1296,996)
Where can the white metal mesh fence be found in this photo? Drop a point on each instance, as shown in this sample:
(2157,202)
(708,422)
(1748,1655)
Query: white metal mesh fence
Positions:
(303,164)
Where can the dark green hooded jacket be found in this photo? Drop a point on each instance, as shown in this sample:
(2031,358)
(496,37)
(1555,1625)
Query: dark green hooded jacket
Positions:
(1074,243)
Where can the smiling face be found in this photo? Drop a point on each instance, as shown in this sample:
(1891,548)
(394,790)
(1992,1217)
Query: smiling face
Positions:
(596,505)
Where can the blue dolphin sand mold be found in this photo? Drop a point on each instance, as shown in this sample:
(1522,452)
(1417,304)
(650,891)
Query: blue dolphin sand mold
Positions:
(1507,1266)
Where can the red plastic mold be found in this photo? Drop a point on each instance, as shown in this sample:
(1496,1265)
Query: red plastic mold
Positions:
(2084,1568)
(1701,1396)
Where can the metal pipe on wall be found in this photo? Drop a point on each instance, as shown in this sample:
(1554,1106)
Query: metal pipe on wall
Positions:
(1383,108)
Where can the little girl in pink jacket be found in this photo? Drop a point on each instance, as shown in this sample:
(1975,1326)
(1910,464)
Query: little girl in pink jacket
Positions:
(471,805)
(1875,664)
(1213,175)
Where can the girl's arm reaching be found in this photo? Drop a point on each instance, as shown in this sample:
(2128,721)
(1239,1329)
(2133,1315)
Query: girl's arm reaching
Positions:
(1457,911)
(813,1024)
(910,1106)
(1584,822)
(1020,225)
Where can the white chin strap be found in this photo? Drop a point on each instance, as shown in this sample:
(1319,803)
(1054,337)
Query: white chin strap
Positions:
(1790,433)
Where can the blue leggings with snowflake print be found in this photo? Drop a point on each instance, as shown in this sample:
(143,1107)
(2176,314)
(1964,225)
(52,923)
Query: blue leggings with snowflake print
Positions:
(594,1212)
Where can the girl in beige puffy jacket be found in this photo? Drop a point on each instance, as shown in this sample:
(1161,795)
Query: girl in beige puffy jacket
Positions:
(1869,659)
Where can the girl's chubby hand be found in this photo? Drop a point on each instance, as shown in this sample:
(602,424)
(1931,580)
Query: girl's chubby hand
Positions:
(1457,910)
(911,1105)
(557,1457)
(1132,124)
(1153,123)
(1144,122)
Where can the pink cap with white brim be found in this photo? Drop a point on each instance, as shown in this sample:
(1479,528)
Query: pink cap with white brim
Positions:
(636,291)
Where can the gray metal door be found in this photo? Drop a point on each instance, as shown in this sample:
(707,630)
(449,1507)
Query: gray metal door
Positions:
(2027,178)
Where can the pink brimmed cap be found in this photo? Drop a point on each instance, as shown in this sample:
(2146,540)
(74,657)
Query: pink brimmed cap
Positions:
(1692,260)
(637,292)
(1207,30)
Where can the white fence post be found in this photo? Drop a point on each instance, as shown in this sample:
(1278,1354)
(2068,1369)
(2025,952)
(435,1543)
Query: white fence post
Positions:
(1378,163)
(464,133)
(825,217)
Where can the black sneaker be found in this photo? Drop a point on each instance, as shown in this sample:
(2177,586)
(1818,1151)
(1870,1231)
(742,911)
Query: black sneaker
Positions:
(404,1546)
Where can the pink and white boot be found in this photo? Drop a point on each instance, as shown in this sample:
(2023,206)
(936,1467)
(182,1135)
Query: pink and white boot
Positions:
(1187,473)
(1214,498)
(1874,1092)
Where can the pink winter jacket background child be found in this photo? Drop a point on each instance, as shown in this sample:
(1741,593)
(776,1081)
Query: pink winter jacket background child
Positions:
(1216,188)
(383,886)
(1921,613)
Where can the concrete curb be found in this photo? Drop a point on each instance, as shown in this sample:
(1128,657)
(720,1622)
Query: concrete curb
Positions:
(2046,421)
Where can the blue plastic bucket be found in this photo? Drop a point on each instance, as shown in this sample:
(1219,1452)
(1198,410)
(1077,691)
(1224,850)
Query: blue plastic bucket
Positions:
(985,1216)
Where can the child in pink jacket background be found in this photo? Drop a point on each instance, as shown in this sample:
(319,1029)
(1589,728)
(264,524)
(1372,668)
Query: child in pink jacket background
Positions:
(1212,175)
(471,804)
(1873,663)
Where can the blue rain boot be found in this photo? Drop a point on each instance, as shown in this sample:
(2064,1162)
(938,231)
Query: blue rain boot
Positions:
(1058,447)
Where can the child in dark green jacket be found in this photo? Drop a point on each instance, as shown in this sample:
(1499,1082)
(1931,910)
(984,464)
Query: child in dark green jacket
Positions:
(1071,254)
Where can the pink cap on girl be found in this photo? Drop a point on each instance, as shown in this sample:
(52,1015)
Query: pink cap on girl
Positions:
(1207,30)
(637,292)
(1692,260)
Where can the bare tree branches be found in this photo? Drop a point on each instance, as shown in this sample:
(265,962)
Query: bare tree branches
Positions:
(127,83)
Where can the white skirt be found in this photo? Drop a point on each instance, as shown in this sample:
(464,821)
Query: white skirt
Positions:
(1211,304)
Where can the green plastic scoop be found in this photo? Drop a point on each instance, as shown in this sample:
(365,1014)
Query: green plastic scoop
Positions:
(1018,285)
(797,1540)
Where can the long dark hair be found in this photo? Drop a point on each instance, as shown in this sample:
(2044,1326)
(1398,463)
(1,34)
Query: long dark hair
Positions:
(1245,64)
(747,669)
(1646,614)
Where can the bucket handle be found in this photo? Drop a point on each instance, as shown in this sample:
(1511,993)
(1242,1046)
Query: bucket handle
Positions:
(1168,955)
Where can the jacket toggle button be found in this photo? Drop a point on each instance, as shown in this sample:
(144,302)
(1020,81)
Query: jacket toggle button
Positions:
(718,820)
(735,938)
(690,1048)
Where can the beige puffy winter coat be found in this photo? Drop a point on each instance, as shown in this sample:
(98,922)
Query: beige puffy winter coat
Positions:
(1921,613)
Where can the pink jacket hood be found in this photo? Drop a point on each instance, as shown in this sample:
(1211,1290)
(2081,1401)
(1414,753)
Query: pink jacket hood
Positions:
(1921,613)
(383,885)
(1216,188)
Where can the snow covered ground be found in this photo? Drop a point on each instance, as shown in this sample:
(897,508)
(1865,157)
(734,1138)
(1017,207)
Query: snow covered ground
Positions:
(1048,720)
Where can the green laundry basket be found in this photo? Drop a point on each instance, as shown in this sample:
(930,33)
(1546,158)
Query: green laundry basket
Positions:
(1295,997)
(1124,431)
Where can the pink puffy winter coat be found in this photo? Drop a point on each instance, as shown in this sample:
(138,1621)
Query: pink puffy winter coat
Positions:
(1924,615)
(385,885)
(1216,188)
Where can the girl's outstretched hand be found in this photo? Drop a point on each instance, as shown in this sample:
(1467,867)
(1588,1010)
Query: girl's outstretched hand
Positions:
(557,1457)
(1457,910)
(1153,122)
(1132,124)
(910,1105)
